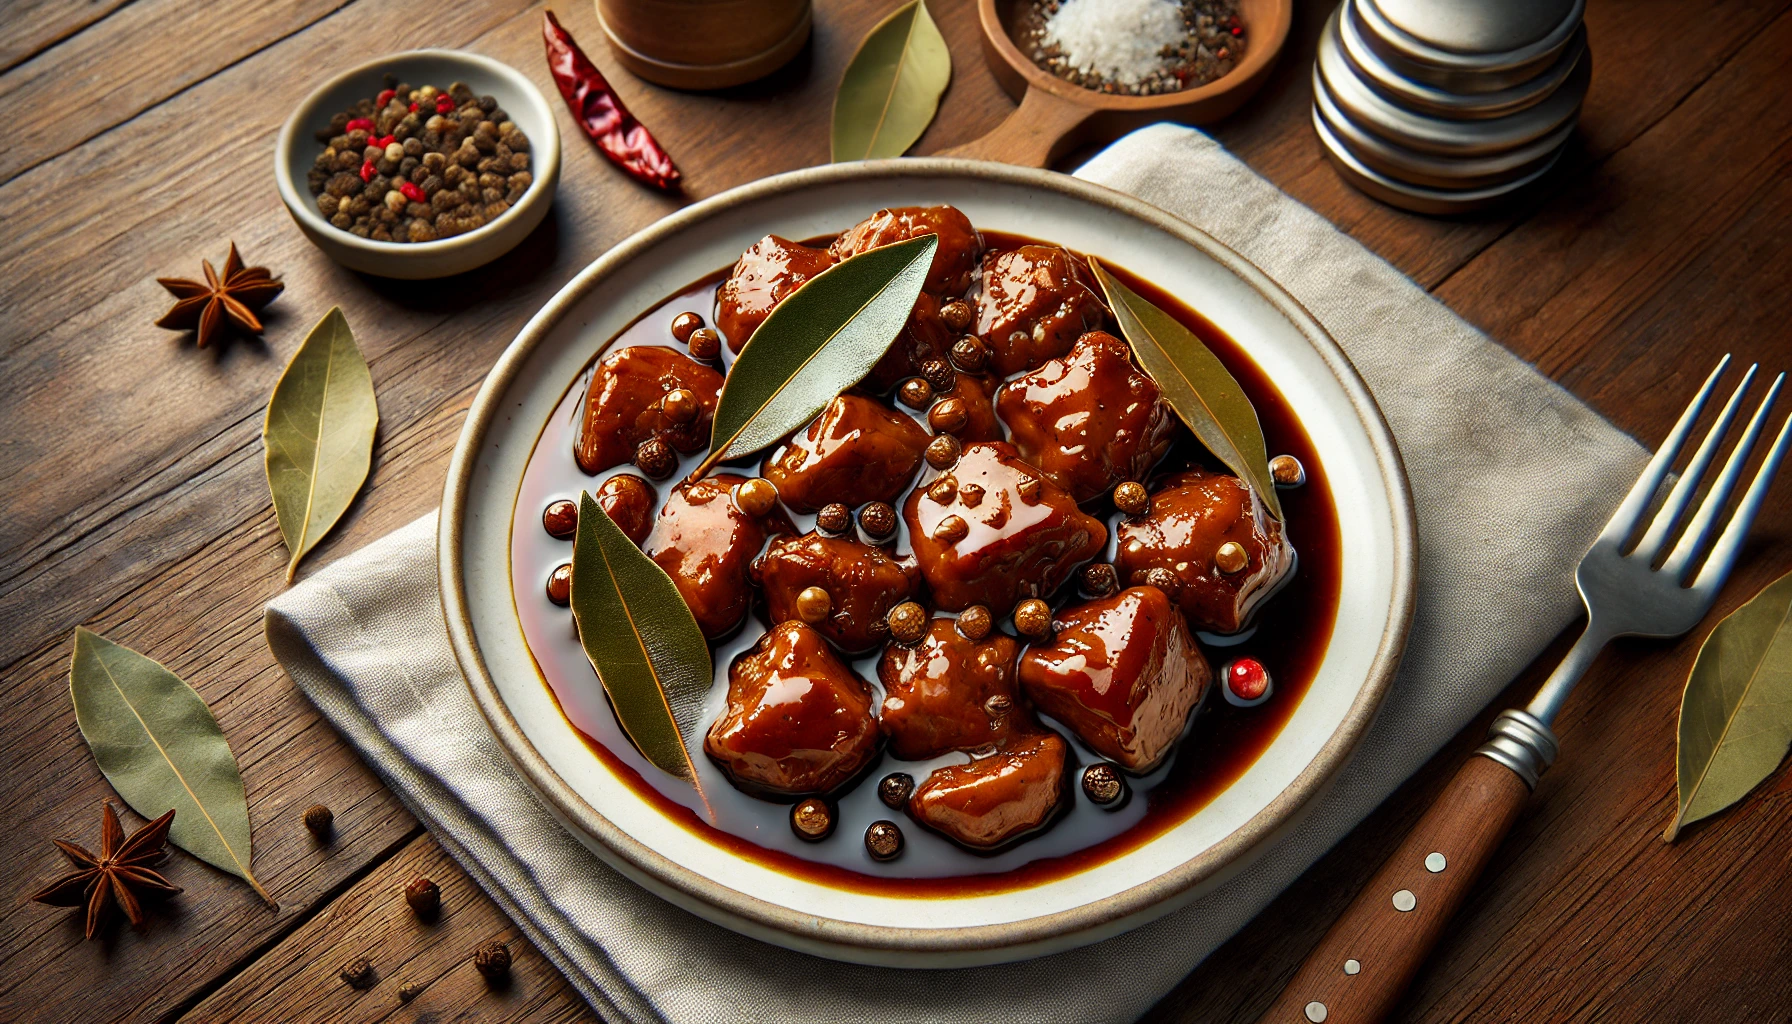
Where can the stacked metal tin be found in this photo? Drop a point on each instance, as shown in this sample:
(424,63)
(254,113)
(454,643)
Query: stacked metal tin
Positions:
(1442,106)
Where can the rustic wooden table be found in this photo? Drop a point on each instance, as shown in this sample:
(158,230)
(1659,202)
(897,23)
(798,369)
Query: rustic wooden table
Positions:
(131,475)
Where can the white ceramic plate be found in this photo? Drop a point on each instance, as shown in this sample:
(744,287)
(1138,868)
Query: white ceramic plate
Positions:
(1368,489)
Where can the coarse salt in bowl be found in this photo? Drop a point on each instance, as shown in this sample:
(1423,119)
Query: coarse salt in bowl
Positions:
(1122,40)
(297,147)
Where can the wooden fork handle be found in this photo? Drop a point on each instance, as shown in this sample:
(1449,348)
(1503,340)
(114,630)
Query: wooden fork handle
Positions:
(1363,965)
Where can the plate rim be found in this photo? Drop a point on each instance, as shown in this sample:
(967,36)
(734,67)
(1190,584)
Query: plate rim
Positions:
(1109,914)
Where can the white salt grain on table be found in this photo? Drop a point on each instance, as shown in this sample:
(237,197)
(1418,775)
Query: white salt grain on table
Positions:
(1122,40)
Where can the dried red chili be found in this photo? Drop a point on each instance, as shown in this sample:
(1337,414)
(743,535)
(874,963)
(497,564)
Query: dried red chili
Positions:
(600,112)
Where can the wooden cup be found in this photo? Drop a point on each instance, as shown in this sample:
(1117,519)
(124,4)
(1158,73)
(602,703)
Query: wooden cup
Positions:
(704,44)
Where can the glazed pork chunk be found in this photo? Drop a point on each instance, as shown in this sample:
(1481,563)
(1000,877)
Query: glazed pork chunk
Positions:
(1194,516)
(857,450)
(798,719)
(1088,419)
(707,544)
(625,405)
(954,261)
(772,269)
(1032,305)
(992,530)
(949,692)
(997,798)
(1121,672)
(631,502)
(861,583)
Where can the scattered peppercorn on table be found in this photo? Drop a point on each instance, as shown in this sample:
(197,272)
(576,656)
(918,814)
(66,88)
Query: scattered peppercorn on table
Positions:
(136,505)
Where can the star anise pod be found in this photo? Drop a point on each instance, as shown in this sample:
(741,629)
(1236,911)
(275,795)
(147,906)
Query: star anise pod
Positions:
(120,875)
(233,296)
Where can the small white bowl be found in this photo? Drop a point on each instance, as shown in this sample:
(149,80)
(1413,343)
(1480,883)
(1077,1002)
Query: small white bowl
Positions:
(298,147)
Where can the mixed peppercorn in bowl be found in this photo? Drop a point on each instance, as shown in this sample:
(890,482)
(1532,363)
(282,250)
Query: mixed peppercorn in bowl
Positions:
(420,164)
(414,164)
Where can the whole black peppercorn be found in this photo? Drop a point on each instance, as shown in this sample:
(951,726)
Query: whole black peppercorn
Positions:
(894,789)
(943,451)
(883,840)
(492,959)
(878,518)
(1033,618)
(1099,579)
(957,314)
(1131,498)
(908,622)
(940,375)
(1287,471)
(1159,577)
(560,519)
(656,458)
(425,898)
(915,393)
(705,344)
(358,973)
(560,584)
(834,518)
(684,324)
(812,820)
(1104,785)
(970,354)
(320,821)
(975,622)
(949,416)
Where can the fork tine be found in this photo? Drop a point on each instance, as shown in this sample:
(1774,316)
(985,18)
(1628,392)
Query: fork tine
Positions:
(1705,522)
(1630,511)
(1674,509)
(1729,543)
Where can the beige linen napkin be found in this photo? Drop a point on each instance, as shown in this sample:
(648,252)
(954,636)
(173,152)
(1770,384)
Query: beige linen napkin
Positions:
(1487,441)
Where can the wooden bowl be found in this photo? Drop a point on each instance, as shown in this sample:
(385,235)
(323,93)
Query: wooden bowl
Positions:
(704,44)
(1055,116)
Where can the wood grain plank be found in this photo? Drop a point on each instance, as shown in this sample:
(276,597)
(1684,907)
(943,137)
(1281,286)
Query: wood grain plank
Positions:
(297,980)
(141,55)
(32,26)
(1588,915)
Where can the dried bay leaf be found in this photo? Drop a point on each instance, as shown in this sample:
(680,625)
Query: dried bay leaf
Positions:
(822,339)
(1736,713)
(891,89)
(159,746)
(642,640)
(319,435)
(1197,385)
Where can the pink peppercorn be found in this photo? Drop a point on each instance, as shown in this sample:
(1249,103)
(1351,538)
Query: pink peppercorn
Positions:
(385,97)
(444,104)
(1247,679)
(1237,31)
(361,123)
(383,141)
(368,170)
(412,192)
(413,108)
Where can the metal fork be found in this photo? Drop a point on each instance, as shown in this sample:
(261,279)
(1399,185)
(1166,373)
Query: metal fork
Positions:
(1650,588)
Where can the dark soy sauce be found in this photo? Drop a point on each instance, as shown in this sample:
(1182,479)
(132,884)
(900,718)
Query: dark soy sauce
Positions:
(1290,637)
